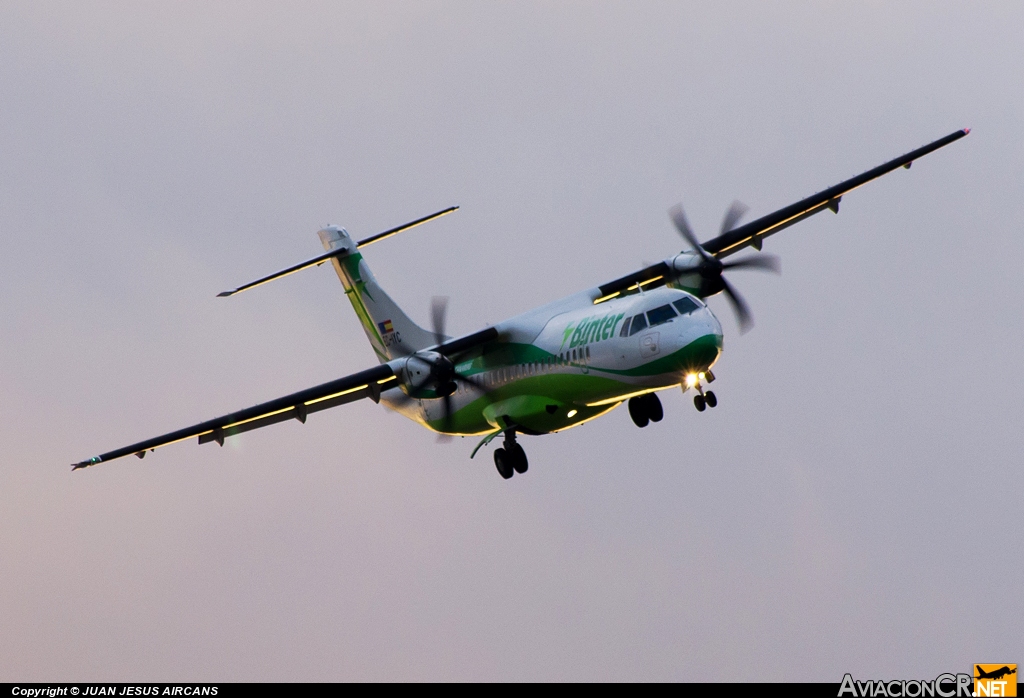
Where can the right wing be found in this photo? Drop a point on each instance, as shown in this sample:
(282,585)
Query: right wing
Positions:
(368,383)
(360,385)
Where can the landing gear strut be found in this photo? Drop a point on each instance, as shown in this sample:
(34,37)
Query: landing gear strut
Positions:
(644,409)
(510,458)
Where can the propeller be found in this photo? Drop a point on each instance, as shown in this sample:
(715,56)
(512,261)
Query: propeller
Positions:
(441,376)
(712,271)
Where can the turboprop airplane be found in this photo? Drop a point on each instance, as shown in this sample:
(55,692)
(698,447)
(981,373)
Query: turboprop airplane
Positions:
(551,368)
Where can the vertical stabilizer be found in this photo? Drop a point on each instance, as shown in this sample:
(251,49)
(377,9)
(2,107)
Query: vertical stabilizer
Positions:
(390,331)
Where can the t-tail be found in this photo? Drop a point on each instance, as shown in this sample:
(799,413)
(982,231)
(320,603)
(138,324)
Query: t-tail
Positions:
(391,332)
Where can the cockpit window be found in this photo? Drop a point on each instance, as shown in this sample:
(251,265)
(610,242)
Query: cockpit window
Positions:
(638,324)
(685,305)
(660,314)
(624,332)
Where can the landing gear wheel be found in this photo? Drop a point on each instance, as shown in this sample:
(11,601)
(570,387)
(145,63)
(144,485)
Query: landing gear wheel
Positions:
(518,455)
(654,409)
(698,402)
(637,412)
(709,397)
(502,462)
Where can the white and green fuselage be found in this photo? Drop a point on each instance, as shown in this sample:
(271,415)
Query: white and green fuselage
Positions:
(554,367)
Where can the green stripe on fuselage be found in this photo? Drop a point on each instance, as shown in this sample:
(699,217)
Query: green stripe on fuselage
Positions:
(568,384)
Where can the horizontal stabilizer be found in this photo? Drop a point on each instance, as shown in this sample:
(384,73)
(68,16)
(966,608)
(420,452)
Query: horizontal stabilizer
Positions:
(320,259)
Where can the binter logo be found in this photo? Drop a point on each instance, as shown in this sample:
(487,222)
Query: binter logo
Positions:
(591,329)
(995,680)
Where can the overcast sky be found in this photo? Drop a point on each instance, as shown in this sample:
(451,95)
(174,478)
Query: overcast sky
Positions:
(852,505)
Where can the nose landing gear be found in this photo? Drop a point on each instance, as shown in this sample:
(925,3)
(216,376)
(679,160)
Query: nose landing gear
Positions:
(704,398)
(510,458)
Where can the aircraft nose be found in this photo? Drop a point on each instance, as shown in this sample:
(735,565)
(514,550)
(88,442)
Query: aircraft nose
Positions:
(714,326)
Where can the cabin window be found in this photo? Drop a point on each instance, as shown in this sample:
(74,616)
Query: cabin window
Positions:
(624,332)
(685,306)
(638,324)
(588,352)
(660,314)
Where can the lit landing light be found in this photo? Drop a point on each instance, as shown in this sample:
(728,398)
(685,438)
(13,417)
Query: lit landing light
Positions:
(692,379)
(570,414)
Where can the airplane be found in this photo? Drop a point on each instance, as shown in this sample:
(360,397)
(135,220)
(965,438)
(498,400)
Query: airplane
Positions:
(996,674)
(551,368)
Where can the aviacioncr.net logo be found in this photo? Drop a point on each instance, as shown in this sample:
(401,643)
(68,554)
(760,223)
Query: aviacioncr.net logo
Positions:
(943,686)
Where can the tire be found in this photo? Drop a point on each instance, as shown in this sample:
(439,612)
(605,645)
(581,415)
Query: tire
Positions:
(709,397)
(501,462)
(654,409)
(637,412)
(519,462)
(698,402)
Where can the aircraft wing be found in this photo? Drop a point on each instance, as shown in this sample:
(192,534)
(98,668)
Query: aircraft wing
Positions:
(369,383)
(295,406)
(751,234)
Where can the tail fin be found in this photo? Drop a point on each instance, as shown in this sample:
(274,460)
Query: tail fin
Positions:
(390,331)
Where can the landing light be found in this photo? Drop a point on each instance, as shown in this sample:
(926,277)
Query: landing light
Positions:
(691,379)
(570,414)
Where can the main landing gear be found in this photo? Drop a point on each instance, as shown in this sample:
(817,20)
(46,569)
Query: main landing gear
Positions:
(644,409)
(510,458)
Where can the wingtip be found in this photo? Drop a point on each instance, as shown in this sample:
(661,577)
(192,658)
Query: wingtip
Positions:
(967,130)
(225,294)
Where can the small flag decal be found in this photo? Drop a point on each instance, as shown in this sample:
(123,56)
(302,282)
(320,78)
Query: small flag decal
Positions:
(385,327)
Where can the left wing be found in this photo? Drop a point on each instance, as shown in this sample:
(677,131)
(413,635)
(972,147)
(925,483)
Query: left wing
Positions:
(752,234)
(295,406)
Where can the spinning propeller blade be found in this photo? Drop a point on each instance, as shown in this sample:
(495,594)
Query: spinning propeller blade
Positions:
(712,270)
(737,209)
(442,376)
